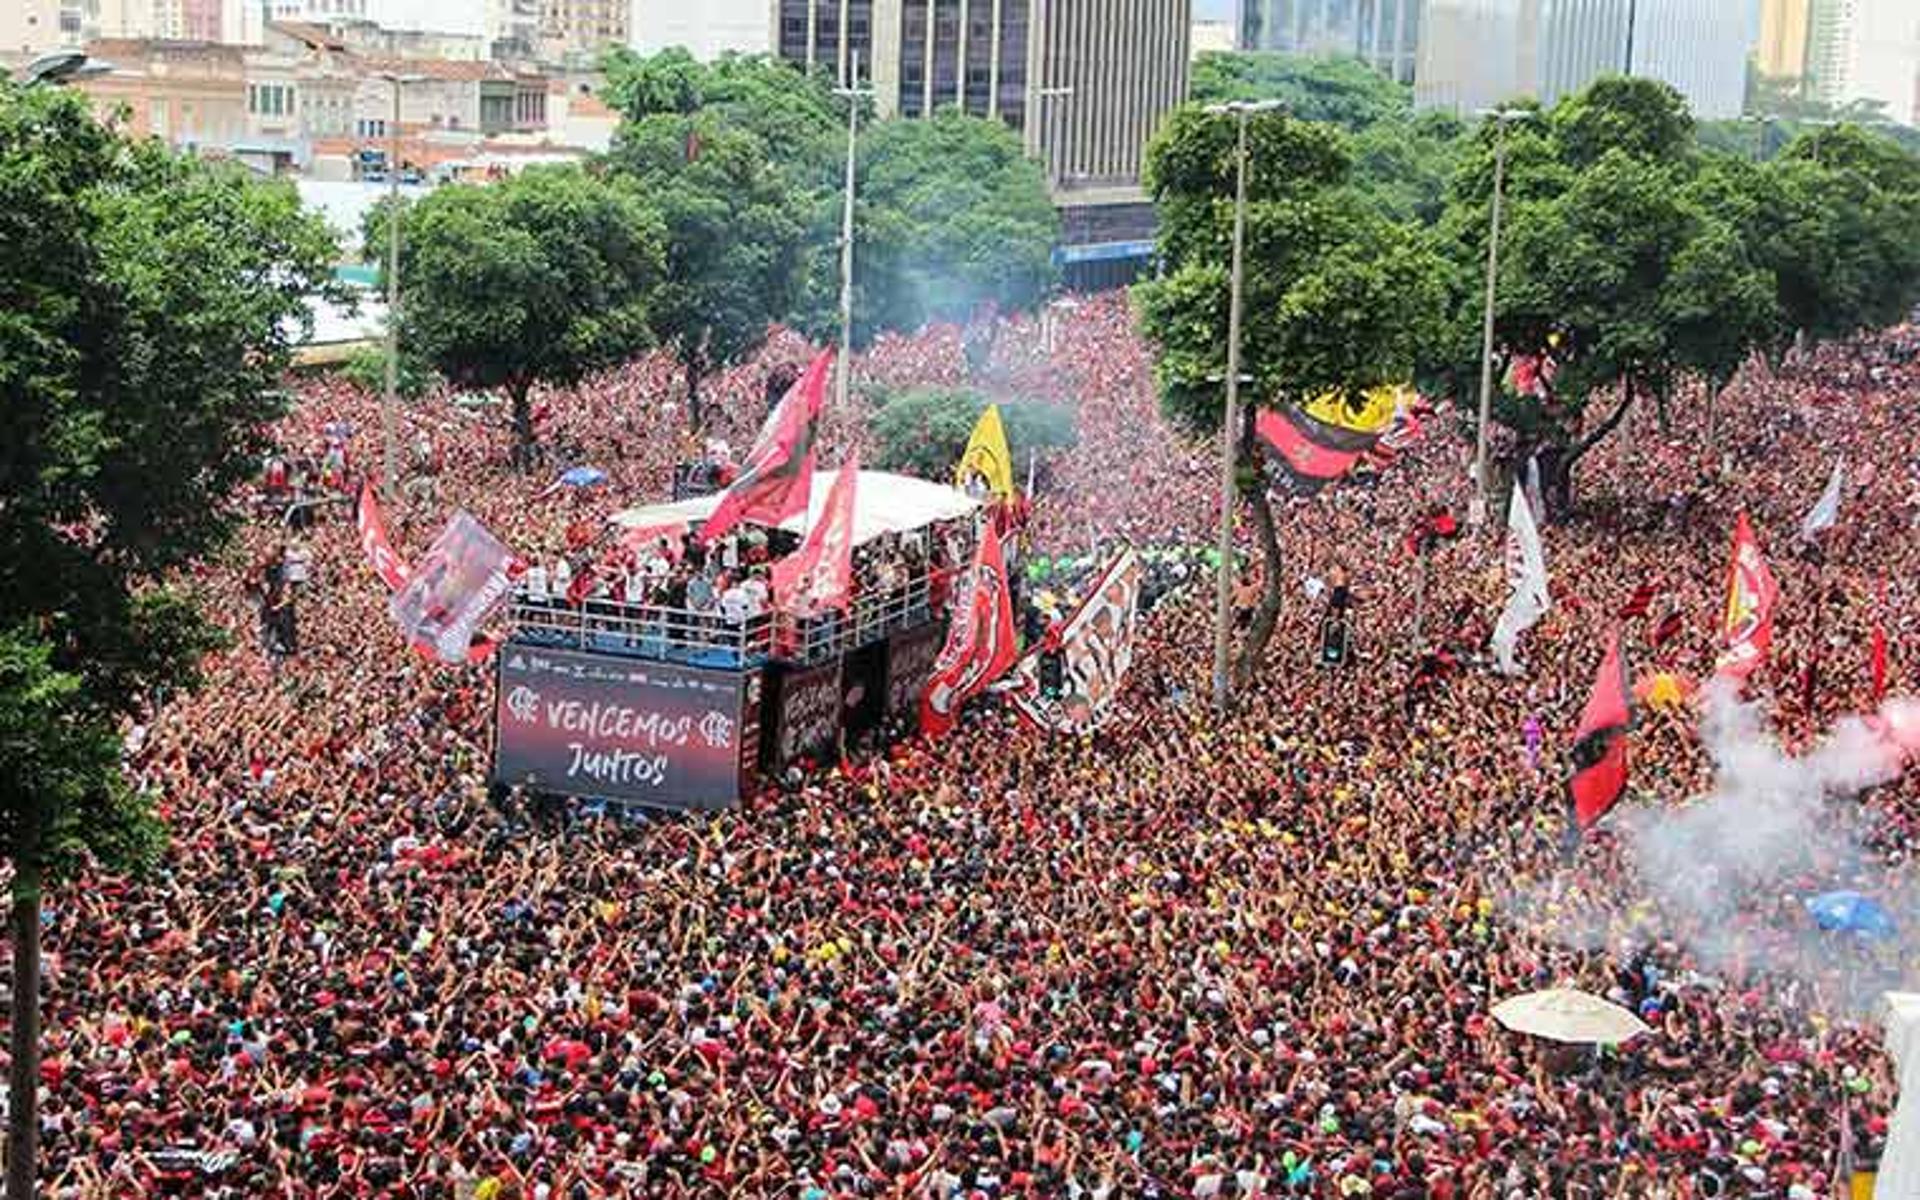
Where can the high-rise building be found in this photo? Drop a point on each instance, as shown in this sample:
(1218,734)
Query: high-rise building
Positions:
(1866,50)
(706,30)
(1479,53)
(513,27)
(1383,33)
(29,27)
(581,29)
(1086,82)
(1782,50)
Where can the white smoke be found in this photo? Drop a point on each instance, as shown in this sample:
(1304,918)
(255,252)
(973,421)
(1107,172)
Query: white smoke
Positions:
(1769,818)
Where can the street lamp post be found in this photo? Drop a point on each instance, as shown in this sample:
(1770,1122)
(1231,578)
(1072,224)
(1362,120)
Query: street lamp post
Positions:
(62,67)
(843,373)
(389,472)
(1501,118)
(1048,144)
(1241,111)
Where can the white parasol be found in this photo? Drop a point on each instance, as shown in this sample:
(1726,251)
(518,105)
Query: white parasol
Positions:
(1564,1015)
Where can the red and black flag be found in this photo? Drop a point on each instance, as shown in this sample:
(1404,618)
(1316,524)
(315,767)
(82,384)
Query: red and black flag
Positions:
(1668,628)
(776,480)
(1641,602)
(1600,745)
(1323,440)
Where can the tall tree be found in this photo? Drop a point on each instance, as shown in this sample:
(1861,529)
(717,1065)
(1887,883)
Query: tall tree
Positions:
(1337,297)
(150,302)
(1344,91)
(538,279)
(952,217)
(1609,253)
(736,224)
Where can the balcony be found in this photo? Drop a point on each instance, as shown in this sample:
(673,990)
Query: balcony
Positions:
(706,639)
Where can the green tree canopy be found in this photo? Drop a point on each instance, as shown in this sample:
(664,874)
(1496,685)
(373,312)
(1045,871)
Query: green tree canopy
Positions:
(1646,259)
(951,217)
(1343,91)
(924,431)
(736,226)
(795,115)
(540,278)
(150,306)
(1337,297)
(1402,160)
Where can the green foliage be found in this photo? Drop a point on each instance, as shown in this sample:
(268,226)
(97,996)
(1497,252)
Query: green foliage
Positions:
(951,217)
(795,115)
(735,223)
(1401,161)
(1343,91)
(1645,119)
(1403,167)
(58,747)
(1789,112)
(367,370)
(1337,297)
(924,431)
(147,304)
(1649,258)
(375,230)
(543,277)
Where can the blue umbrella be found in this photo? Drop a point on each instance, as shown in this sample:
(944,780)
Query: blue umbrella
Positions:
(583,477)
(1851,912)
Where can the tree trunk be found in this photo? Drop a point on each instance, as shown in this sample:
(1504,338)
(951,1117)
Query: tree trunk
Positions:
(522,426)
(23,1081)
(1557,458)
(1254,651)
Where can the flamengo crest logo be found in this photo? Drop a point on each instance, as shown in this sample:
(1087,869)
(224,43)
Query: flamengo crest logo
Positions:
(716,728)
(524,703)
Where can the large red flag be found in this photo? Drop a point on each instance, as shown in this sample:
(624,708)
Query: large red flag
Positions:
(777,476)
(980,640)
(1747,629)
(389,566)
(1600,746)
(819,575)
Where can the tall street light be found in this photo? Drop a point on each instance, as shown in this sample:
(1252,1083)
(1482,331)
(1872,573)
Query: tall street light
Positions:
(62,67)
(1241,111)
(853,94)
(1501,118)
(389,471)
(1048,144)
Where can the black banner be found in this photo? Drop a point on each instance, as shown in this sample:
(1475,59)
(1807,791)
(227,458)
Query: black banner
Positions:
(809,723)
(910,658)
(599,725)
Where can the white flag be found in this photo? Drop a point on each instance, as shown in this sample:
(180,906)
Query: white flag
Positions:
(1527,573)
(1826,510)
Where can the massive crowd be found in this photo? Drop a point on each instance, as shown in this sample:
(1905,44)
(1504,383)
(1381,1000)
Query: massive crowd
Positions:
(1188,956)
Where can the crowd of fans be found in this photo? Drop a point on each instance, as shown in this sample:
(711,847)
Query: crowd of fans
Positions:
(1189,956)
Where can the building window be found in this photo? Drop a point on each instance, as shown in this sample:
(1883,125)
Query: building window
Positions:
(270,99)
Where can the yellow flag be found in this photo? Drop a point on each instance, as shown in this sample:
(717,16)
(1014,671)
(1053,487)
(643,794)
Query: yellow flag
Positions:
(1372,415)
(987,456)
